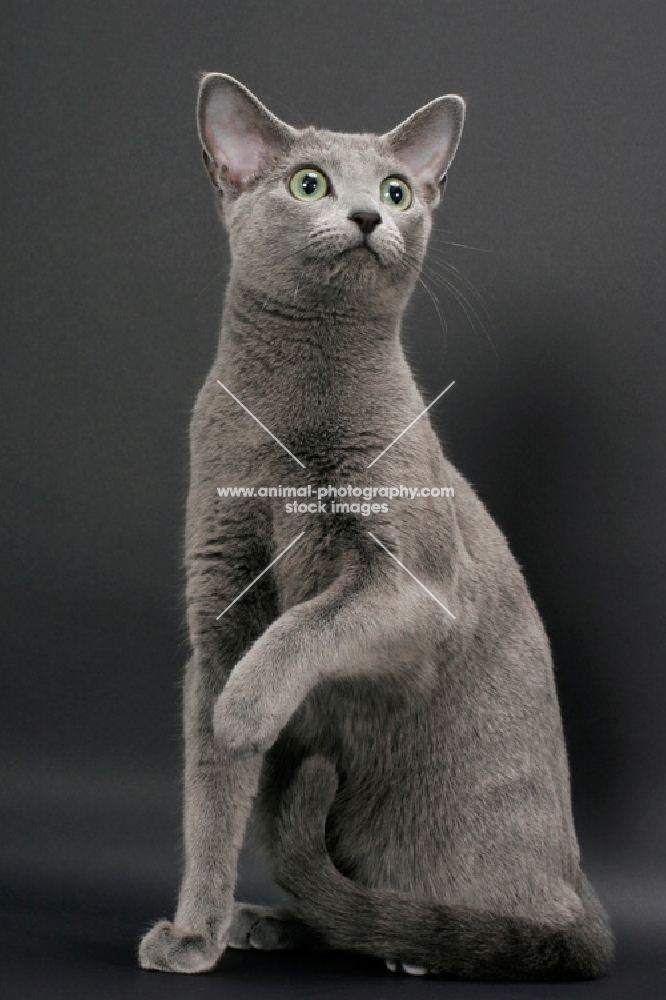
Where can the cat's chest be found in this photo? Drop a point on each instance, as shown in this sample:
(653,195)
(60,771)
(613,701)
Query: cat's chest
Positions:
(322,404)
(313,556)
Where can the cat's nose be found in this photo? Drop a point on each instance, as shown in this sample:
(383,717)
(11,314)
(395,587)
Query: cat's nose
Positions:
(366,221)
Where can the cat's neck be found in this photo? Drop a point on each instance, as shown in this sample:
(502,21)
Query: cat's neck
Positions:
(317,372)
(318,330)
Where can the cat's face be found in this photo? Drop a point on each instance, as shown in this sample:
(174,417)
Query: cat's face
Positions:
(320,216)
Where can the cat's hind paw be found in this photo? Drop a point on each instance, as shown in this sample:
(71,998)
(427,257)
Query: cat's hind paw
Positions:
(167,948)
(395,965)
(270,928)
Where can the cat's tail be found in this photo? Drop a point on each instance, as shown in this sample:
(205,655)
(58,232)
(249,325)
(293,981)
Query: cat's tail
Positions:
(453,940)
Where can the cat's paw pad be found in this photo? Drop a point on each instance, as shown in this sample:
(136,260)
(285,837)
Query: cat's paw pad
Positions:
(394,965)
(167,948)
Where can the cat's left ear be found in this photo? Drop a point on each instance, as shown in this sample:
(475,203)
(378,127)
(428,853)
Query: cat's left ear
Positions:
(240,137)
(427,141)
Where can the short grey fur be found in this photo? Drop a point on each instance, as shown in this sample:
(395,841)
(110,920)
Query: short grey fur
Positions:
(404,772)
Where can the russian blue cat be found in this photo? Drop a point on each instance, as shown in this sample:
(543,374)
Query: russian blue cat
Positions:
(370,696)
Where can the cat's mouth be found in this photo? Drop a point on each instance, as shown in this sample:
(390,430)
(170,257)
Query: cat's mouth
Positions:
(361,250)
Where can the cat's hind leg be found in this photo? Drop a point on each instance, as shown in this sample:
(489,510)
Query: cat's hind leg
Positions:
(271,928)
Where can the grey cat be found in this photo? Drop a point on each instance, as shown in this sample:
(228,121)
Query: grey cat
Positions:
(398,756)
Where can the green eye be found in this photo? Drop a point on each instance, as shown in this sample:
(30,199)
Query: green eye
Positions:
(308,184)
(395,193)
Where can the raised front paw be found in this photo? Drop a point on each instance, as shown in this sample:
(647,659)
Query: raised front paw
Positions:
(243,725)
(168,948)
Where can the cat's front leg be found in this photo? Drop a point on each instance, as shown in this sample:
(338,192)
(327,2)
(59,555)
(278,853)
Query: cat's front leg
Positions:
(218,793)
(247,719)
(385,628)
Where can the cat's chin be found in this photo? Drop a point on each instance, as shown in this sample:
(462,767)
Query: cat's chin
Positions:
(360,263)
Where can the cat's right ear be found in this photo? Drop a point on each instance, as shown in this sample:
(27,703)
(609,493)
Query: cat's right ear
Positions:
(240,137)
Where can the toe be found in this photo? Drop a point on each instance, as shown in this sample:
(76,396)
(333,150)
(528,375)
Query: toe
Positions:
(414,970)
(167,948)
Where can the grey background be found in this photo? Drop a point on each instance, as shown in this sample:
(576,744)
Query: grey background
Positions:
(113,269)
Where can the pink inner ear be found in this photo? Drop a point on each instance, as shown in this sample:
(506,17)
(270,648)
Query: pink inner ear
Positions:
(234,137)
(427,155)
(426,142)
(243,154)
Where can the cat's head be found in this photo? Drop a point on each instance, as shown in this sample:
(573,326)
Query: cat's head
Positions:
(313,213)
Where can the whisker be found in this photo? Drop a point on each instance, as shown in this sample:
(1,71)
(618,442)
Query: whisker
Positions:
(216,277)
(442,261)
(466,305)
(435,302)
(464,246)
